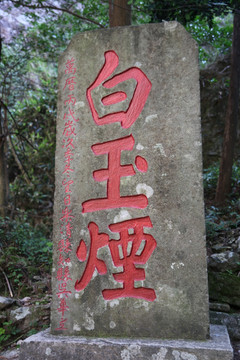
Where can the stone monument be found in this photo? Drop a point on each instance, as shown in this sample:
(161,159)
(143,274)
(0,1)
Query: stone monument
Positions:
(129,267)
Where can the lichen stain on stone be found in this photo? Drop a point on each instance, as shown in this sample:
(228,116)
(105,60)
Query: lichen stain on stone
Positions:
(138,64)
(89,323)
(177,265)
(112,325)
(183,355)
(170,25)
(160,147)
(94,274)
(151,117)
(144,189)
(76,327)
(175,298)
(130,352)
(113,303)
(79,104)
(161,355)
(121,216)
(77,294)
(197,143)
(140,303)
(139,146)
(83,232)
(189,157)
(48,351)
(169,224)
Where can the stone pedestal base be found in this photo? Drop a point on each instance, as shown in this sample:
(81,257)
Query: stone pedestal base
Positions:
(44,346)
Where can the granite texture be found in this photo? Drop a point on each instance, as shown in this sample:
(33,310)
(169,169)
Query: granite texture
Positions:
(167,135)
(44,346)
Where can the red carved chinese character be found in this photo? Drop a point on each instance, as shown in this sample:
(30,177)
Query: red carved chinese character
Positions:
(143,87)
(63,306)
(68,155)
(69,66)
(63,274)
(67,185)
(128,261)
(71,100)
(70,114)
(61,245)
(142,246)
(67,215)
(68,230)
(67,170)
(62,324)
(67,200)
(60,259)
(113,174)
(69,130)
(97,242)
(64,246)
(63,290)
(66,275)
(70,83)
(60,274)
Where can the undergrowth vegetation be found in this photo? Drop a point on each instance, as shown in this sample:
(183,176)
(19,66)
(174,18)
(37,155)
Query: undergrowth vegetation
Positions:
(25,253)
(225,218)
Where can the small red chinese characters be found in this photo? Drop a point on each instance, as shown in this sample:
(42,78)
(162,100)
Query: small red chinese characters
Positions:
(134,246)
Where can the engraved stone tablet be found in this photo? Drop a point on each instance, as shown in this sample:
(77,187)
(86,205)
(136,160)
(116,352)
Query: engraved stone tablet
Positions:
(129,246)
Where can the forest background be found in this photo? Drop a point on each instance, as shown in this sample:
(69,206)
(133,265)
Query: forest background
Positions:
(33,35)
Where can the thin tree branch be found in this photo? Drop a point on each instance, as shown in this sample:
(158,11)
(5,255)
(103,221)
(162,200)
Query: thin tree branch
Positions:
(8,283)
(18,161)
(10,143)
(52,7)
(15,122)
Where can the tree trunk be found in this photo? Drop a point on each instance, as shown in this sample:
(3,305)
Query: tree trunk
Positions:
(119,13)
(230,131)
(3,166)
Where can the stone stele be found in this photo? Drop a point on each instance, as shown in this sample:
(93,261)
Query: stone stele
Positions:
(129,240)
(129,268)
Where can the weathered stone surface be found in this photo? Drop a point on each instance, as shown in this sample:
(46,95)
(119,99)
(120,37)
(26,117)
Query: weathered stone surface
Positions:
(231,321)
(224,287)
(6,302)
(167,135)
(45,346)
(26,317)
(219,307)
(227,260)
(20,314)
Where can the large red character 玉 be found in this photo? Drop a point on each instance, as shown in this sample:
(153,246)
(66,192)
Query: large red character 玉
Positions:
(113,175)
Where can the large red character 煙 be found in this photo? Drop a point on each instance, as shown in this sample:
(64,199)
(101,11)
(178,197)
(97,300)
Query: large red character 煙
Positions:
(125,258)
(142,90)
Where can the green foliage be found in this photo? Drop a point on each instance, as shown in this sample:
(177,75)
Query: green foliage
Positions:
(220,219)
(214,40)
(24,252)
(183,10)
(210,178)
(8,332)
(3,336)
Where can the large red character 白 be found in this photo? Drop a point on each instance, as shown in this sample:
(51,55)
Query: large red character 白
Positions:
(143,87)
